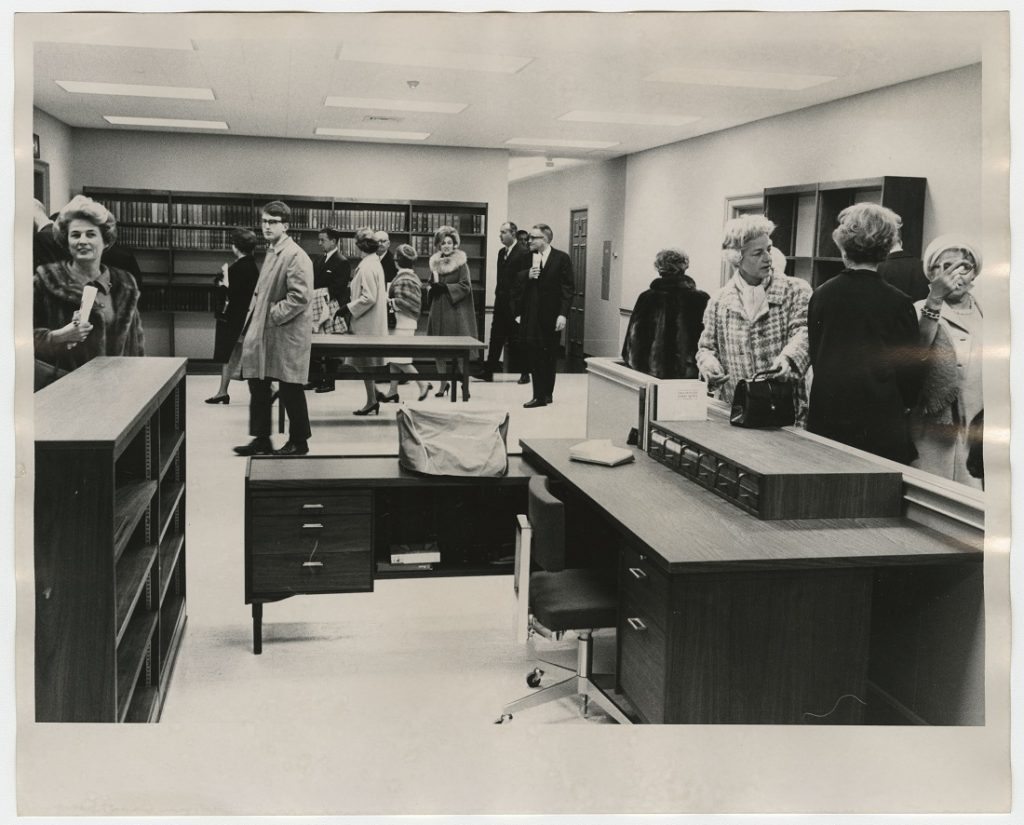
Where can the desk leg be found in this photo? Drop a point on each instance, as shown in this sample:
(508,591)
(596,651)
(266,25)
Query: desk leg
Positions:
(465,376)
(257,628)
(455,377)
(280,415)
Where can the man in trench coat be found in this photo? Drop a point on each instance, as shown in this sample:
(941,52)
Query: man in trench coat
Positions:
(277,336)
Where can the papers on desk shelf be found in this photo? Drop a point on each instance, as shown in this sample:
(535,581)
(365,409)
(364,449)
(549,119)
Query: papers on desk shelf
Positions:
(681,399)
(600,451)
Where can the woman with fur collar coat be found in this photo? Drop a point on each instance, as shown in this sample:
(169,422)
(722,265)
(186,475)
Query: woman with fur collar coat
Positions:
(450,294)
(661,339)
(63,341)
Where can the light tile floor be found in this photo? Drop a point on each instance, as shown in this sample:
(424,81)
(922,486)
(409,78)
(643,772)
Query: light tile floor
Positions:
(442,647)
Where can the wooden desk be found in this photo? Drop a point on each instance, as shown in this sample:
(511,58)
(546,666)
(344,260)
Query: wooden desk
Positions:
(325,524)
(725,618)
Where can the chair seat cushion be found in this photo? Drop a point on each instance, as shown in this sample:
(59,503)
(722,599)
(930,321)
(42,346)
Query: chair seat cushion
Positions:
(575,599)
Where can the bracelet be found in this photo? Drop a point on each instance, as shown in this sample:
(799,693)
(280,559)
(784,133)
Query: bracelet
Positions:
(934,314)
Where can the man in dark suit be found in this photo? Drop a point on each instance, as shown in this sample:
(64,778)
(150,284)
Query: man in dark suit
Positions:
(332,272)
(512,259)
(904,271)
(543,304)
(45,249)
(387,260)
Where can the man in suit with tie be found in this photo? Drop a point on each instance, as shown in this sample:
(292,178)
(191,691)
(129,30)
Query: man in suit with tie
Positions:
(543,304)
(331,272)
(512,260)
(45,249)
(387,259)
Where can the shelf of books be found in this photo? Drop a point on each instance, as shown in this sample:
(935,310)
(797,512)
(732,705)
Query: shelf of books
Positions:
(181,240)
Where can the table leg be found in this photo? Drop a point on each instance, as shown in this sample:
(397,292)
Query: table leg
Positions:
(465,376)
(454,375)
(280,415)
(257,628)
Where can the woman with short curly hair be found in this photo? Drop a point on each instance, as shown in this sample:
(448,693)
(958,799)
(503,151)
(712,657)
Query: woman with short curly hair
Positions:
(863,342)
(63,341)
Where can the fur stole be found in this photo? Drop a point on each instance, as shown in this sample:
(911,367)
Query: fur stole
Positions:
(447,264)
(941,385)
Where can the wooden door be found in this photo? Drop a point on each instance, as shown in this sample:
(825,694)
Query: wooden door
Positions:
(574,323)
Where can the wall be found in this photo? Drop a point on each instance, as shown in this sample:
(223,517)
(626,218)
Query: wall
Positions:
(220,163)
(55,140)
(927,128)
(599,187)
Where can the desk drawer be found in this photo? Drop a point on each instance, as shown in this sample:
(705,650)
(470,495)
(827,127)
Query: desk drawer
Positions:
(643,660)
(317,572)
(311,503)
(642,583)
(283,534)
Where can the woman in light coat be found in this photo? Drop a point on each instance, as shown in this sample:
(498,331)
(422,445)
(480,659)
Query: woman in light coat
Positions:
(951,326)
(367,312)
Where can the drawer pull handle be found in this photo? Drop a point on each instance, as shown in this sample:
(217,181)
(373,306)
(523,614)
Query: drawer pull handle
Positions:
(637,573)
(636,623)
(312,525)
(312,564)
(312,507)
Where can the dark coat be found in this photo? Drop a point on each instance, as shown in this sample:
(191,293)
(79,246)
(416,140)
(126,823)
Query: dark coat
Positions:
(863,346)
(333,275)
(905,272)
(242,277)
(661,339)
(120,256)
(451,298)
(55,297)
(540,301)
(387,261)
(509,269)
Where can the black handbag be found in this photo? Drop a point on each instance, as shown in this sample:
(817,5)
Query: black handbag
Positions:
(763,402)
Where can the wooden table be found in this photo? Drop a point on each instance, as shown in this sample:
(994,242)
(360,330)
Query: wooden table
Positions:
(727,618)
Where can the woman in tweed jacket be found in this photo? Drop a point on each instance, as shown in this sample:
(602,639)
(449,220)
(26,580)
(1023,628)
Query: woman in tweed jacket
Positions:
(406,296)
(758,321)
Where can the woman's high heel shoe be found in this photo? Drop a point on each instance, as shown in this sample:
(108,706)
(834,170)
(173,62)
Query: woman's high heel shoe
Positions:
(374,409)
(426,392)
(219,399)
(441,393)
(387,399)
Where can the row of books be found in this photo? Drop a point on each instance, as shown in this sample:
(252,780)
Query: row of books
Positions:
(178,299)
(347,220)
(431,221)
(143,236)
(229,214)
(137,211)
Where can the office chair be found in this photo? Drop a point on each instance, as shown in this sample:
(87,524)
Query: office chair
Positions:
(555,599)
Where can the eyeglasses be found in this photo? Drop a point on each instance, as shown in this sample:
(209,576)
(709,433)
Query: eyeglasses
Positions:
(270,221)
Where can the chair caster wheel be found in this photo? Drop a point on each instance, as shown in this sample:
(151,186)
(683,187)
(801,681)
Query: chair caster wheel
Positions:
(533,678)
(501,720)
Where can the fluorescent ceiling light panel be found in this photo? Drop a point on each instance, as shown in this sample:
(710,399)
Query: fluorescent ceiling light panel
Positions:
(169,122)
(395,105)
(638,119)
(746,80)
(569,144)
(130,90)
(372,133)
(433,58)
(157,39)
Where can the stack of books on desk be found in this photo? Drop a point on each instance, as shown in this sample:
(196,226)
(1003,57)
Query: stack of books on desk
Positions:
(415,556)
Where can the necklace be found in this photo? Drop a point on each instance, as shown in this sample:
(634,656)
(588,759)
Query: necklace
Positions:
(964,307)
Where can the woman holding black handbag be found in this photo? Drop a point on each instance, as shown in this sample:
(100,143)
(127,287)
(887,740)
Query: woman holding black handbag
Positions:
(235,286)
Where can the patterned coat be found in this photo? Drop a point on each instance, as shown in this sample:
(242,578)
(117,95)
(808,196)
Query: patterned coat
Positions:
(278,327)
(747,347)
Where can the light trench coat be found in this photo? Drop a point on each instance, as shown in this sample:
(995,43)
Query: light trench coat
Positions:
(278,327)
(369,306)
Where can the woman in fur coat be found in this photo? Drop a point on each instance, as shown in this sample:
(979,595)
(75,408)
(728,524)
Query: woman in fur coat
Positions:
(667,321)
(450,293)
(63,341)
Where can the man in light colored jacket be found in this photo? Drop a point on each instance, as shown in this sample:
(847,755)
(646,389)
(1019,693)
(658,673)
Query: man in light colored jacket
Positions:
(277,336)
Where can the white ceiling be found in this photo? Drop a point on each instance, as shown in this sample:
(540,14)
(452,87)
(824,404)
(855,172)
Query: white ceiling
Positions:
(271,73)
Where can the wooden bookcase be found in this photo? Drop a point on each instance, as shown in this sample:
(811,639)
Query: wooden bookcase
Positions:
(181,239)
(806,214)
(109,539)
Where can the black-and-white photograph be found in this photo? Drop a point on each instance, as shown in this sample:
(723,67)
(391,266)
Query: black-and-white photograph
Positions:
(415,400)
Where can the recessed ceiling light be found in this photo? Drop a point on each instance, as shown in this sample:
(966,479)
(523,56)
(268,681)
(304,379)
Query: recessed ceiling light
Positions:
(638,119)
(748,80)
(372,133)
(170,122)
(433,58)
(177,92)
(573,144)
(395,105)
